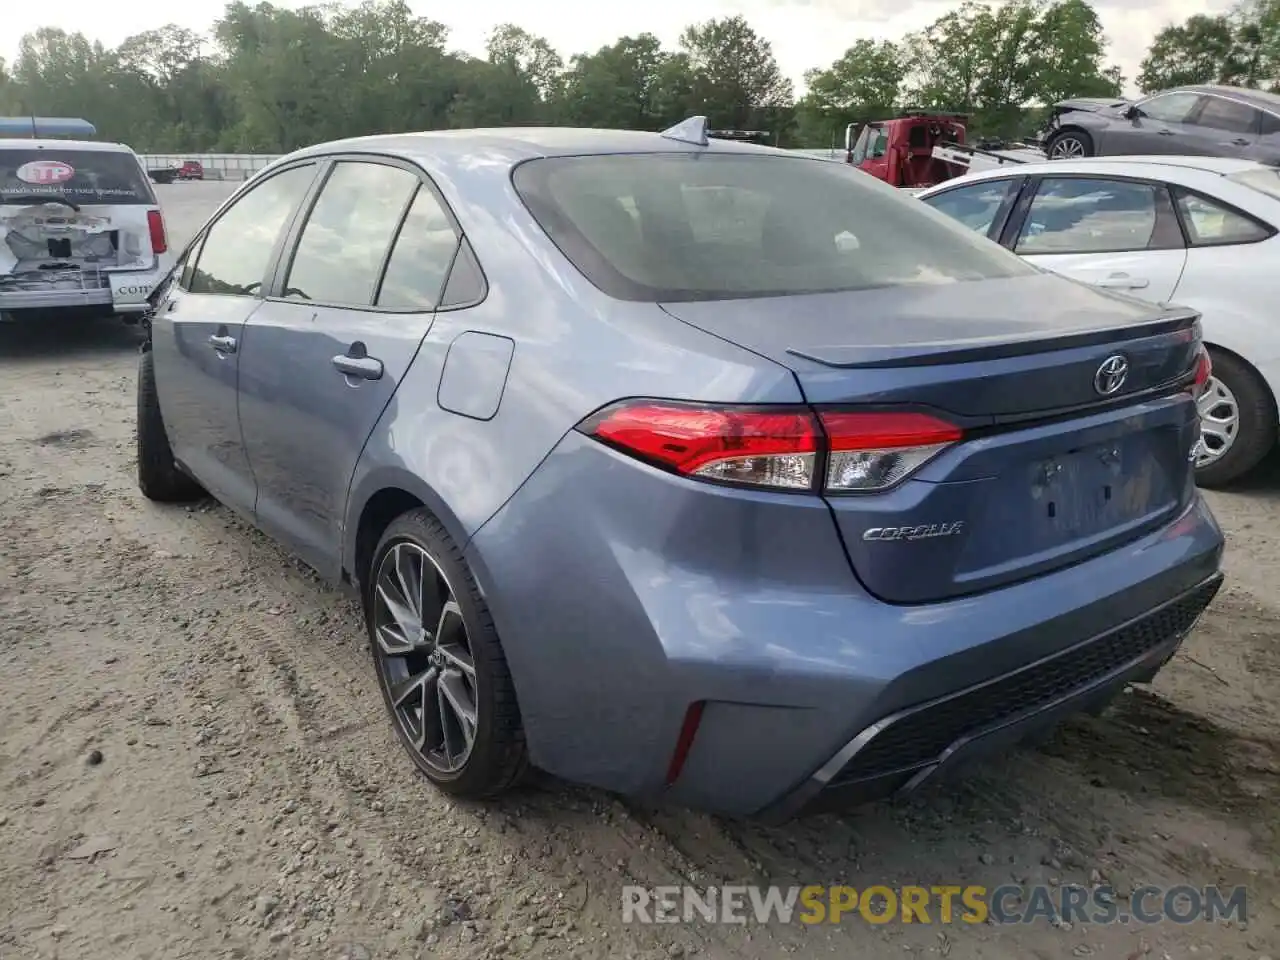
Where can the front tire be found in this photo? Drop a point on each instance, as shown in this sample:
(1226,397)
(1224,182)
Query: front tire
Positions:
(1069,145)
(439,662)
(1237,421)
(159,478)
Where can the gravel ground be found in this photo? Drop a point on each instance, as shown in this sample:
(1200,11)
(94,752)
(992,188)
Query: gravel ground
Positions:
(194,760)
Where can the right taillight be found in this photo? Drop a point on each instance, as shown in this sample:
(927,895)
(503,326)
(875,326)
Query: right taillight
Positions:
(781,448)
(874,451)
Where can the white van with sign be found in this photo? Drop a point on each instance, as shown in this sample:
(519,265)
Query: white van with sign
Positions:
(81,231)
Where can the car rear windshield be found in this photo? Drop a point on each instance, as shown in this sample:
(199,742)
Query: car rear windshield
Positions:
(684,226)
(1263,179)
(28,175)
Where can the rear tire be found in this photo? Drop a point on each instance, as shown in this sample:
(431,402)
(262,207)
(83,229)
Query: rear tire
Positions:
(447,688)
(1069,145)
(159,478)
(1238,421)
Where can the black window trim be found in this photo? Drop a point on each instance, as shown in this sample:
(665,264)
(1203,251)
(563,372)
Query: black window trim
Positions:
(328,161)
(232,202)
(1017,182)
(1013,228)
(1268,230)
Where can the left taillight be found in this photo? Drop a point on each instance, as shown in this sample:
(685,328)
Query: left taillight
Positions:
(781,448)
(155,225)
(1203,371)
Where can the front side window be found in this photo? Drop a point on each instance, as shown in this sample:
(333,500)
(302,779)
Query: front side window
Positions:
(1169,107)
(345,240)
(421,257)
(237,249)
(1228,115)
(1210,224)
(859,153)
(974,206)
(685,226)
(32,175)
(880,145)
(1081,215)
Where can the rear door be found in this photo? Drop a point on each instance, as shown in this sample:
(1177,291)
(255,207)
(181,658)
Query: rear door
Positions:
(198,331)
(324,355)
(1222,127)
(1116,233)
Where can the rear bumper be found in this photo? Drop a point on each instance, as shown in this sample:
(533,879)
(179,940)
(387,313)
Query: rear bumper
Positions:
(120,291)
(623,595)
(906,750)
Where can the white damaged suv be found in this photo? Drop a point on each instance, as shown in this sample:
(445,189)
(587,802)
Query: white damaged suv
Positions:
(81,232)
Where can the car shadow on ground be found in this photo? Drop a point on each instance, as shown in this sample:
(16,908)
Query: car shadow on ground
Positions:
(52,339)
(1262,481)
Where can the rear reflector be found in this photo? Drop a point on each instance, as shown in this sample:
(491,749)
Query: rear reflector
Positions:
(688,730)
(155,224)
(779,447)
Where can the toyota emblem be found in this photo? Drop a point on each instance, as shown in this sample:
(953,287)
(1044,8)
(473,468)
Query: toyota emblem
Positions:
(1111,375)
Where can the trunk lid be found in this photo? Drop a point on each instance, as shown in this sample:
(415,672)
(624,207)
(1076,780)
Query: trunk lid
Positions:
(1050,470)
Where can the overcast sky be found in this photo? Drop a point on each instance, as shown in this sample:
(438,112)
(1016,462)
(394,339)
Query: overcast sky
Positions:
(804,33)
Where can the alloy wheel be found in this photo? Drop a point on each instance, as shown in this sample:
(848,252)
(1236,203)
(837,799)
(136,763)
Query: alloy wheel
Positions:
(424,657)
(1219,422)
(1067,148)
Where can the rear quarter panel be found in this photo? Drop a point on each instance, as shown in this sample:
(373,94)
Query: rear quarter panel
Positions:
(574,351)
(1234,286)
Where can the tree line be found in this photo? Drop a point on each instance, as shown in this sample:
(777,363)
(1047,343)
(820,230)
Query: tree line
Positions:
(268,79)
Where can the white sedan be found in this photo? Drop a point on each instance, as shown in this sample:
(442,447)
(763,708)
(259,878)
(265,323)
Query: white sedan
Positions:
(1199,231)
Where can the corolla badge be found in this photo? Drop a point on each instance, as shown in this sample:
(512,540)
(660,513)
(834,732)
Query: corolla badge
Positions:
(923,531)
(1111,375)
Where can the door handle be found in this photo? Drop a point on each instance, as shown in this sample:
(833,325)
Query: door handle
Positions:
(367,368)
(1238,142)
(1165,133)
(1122,281)
(222,343)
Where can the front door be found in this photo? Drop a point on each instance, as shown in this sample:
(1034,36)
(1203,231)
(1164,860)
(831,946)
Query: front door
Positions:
(1117,234)
(325,353)
(198,331)
(1159,126)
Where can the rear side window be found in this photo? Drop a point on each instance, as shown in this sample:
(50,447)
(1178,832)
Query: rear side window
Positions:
(1079,215)
(715,226)
(1210,224)
(238,247)
(80,176)
(1219,114)
(348,233)
(974,206)
(421,257)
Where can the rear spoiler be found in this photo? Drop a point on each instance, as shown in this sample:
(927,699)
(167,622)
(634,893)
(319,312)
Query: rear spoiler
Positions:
(36,127)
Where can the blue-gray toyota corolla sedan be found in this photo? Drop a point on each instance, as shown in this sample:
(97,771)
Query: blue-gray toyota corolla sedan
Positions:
(685,468)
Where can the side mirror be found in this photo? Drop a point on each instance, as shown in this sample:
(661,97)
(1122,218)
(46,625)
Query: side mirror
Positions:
(1132,112)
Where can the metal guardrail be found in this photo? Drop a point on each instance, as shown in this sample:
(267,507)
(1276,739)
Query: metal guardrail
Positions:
(217,166)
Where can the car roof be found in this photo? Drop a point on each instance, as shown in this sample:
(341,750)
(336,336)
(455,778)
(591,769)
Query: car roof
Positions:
(18,143)
(513,145)
(1152,166)
(1259,98)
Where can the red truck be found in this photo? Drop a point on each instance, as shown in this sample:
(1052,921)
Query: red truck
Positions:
(920,148)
